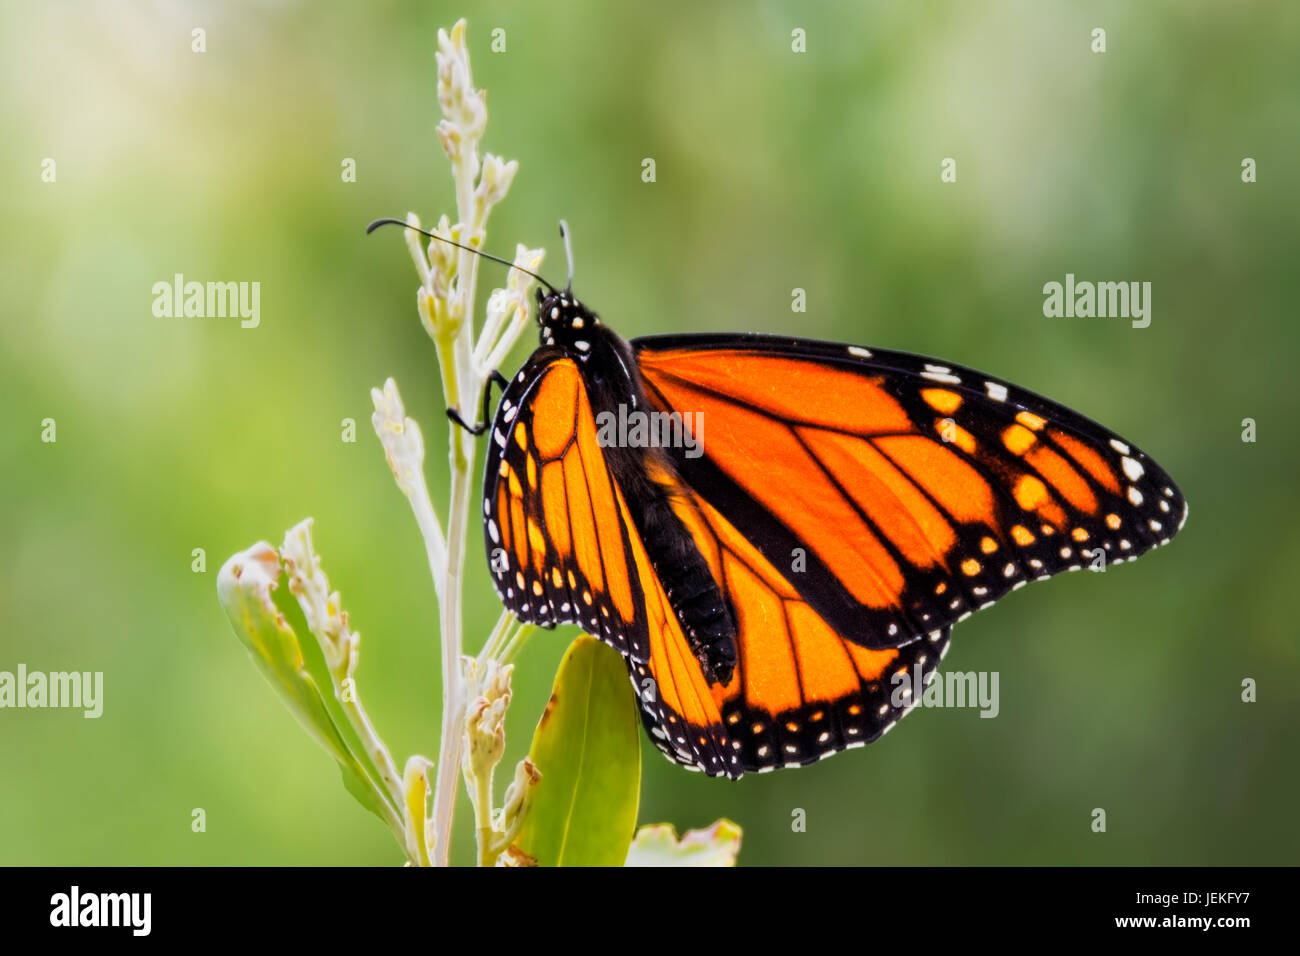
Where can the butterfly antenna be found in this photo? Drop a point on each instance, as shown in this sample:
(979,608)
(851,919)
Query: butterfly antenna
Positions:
(478,252)
(568,253)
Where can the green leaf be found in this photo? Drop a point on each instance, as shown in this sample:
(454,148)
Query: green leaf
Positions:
(588,748)
(657,845)
(244,587)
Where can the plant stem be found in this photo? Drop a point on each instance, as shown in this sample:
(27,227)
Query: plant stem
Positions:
(453,698)
(446,305)
(515,642)
(462,390)
(492,645)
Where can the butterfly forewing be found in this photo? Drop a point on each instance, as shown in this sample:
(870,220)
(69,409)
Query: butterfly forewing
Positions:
(901,494)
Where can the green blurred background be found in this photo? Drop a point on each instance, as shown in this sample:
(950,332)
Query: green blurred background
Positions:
(775,170)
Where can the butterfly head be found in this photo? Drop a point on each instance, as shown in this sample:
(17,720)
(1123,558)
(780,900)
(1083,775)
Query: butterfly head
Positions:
(564,320)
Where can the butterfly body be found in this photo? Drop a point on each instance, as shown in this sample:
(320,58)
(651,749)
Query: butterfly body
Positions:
(774,584)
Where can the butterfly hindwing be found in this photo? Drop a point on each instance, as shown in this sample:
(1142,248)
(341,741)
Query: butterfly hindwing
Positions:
(800,692)
(901,494)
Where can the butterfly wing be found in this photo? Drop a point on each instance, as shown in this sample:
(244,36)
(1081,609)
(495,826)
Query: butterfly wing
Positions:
(896,494)
(850,506)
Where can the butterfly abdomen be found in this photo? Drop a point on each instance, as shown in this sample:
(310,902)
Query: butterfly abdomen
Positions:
(646,478)
(705,618)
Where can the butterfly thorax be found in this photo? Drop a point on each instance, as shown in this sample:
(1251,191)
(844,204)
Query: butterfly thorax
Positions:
(566,322)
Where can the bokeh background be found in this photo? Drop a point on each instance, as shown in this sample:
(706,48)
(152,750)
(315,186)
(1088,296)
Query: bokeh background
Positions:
(775,170)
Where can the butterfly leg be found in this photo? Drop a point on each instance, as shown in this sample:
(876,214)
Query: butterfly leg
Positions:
(482,426)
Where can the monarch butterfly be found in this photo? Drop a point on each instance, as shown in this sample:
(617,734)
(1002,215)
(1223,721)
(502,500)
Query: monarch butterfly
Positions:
(828,514)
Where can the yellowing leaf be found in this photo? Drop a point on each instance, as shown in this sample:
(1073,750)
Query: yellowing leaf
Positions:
(657,845)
